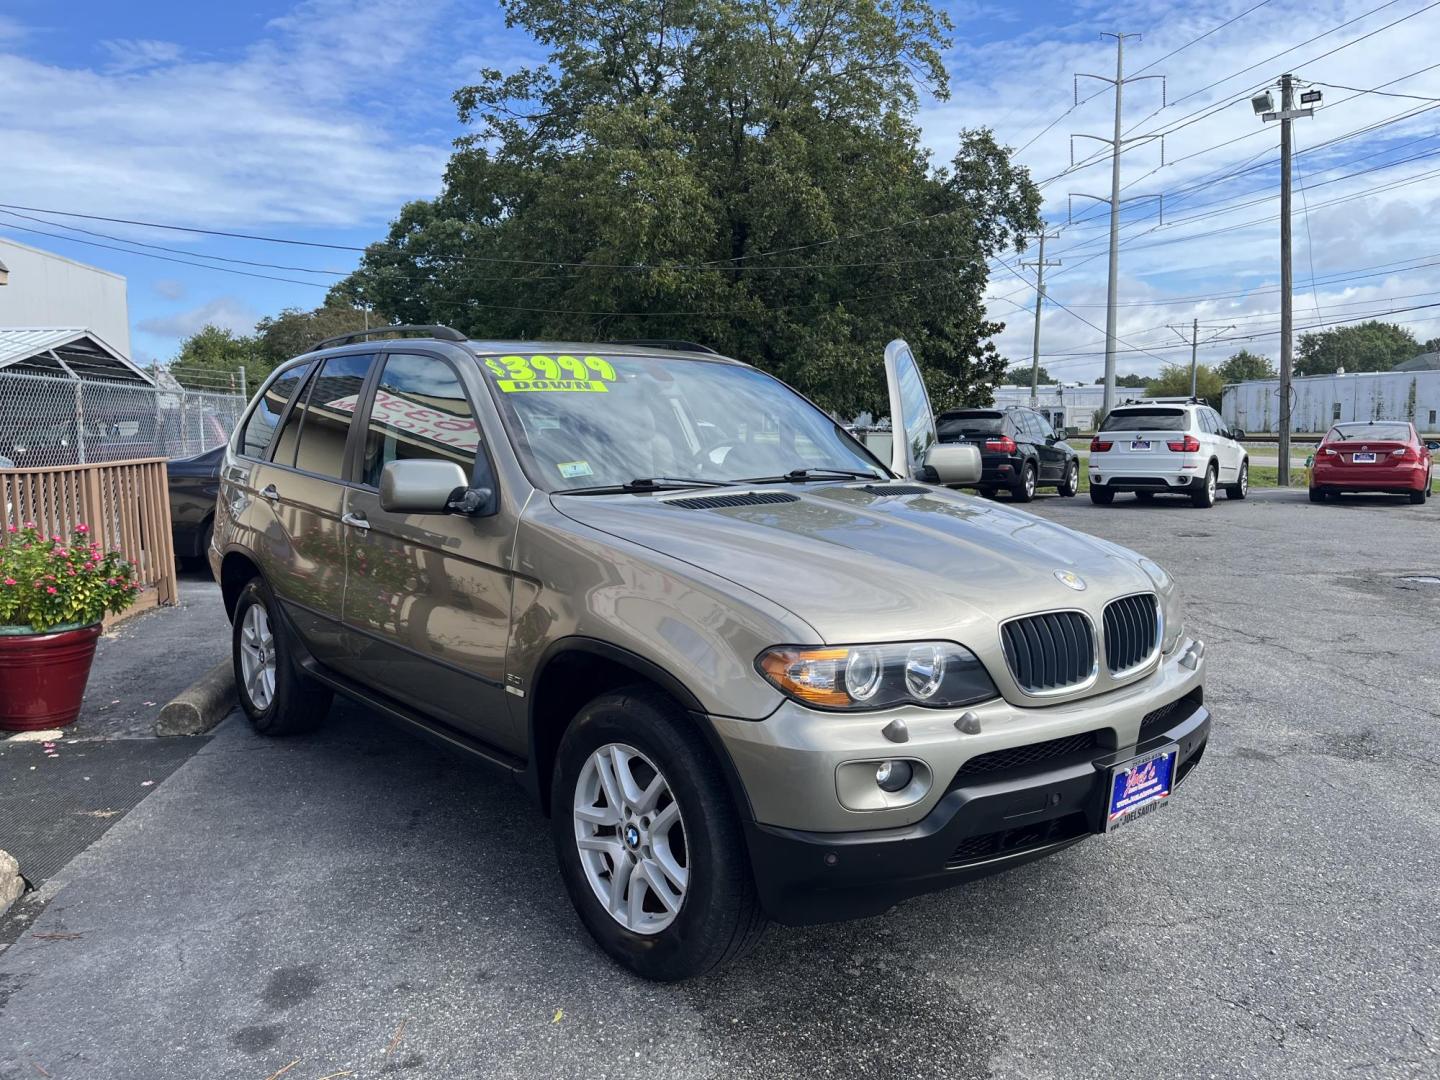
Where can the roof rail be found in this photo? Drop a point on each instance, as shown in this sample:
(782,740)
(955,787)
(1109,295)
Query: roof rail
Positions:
(666,343)
(435,330)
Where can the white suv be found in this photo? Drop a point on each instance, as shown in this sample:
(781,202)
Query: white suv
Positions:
(1167,446)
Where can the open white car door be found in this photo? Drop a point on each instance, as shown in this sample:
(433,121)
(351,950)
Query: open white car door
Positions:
(915,449)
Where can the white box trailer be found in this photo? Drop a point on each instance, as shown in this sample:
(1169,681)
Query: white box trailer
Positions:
(1321,400)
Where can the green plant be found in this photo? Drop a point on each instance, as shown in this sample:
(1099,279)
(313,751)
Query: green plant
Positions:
(46,582)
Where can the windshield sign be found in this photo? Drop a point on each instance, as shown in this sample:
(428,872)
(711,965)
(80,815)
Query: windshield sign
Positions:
(598,421)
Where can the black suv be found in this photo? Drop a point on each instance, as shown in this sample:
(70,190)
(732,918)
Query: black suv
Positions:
(1019,450)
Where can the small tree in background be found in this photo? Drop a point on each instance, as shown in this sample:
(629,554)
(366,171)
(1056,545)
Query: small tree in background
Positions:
(1174,381)
(1019,375)
(1246,366)
(1367,346)
(211,359)
(1130,382)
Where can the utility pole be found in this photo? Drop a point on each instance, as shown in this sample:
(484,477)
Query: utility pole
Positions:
(1040,264)
(1116,144)
(1195,348)
(1264,105)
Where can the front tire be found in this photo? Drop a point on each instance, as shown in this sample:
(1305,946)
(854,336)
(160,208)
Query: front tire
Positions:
(277,697)
(649,842)
(1024,491)
(1241,487)
(1204,495)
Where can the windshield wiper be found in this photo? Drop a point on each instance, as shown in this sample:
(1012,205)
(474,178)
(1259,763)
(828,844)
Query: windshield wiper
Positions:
(799,476)
(644,484)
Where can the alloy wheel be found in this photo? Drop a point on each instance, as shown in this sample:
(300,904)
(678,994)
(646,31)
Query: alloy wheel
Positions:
(1245,479)
(631,838)
(257,657)
(1210,484)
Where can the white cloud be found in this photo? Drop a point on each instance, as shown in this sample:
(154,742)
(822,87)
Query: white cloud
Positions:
(1020,84)
(135,54)
(227,312)
(299,129)
(169,289)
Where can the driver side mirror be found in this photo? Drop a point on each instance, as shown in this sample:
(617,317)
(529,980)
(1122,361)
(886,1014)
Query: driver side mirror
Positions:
(1431,444)
(430,486)
(952,463)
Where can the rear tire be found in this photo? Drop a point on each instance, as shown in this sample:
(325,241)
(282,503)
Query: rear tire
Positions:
(1318,494)
(1419,497)
(700,857)
(1241,487)
(1024,491)
(1145,496)
(1101,496)
(987,492)
(276,696)
(1071,485)
(1204,495)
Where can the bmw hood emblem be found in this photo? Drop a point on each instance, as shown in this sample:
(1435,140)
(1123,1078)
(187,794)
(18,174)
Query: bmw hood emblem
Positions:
(1070,580)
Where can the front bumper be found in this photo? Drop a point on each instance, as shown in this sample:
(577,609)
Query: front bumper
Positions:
(983,824)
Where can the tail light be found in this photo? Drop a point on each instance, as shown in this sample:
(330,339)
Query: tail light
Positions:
(1001,444)
(1327,452)
(1188,445)
(1098,447)
(1405,453)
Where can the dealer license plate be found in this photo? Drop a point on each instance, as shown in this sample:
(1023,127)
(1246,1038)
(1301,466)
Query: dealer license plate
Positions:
(1363,459)
(1140,786)
(1140,444)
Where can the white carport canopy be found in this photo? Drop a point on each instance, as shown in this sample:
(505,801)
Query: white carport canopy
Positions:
(67,352)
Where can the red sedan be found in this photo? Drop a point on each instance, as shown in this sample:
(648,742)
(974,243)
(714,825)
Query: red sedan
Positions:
(1381,455)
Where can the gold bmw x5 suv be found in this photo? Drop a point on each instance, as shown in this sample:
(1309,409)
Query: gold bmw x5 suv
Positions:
(750,670)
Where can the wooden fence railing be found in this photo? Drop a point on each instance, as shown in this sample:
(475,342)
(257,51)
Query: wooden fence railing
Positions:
(125,503)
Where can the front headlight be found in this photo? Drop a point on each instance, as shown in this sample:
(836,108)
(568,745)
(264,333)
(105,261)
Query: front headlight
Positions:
(936,674)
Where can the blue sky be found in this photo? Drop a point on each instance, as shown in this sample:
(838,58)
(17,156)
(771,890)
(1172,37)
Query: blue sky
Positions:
(316,120)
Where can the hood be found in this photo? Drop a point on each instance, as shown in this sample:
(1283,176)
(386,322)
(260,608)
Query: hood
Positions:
(859,564)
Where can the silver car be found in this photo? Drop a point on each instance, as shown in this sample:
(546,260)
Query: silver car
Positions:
(749,670)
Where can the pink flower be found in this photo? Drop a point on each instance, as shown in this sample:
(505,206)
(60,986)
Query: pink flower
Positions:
(12,528)
(82,528)
(108,581)
(61,553)
(9,581)
(27,525)
(50,589)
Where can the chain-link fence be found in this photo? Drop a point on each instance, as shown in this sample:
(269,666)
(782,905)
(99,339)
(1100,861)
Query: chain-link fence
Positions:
(47,420)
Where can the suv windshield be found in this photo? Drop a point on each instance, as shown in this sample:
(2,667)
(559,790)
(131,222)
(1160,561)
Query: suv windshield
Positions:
(595,421)
(1377,432)
(1146,420)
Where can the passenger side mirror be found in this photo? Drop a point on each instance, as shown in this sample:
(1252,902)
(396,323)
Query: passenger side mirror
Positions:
(1431,444)
(428,486)
(952,463)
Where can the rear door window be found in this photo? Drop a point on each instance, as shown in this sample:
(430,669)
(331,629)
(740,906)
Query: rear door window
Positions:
(260,427)
(1146,419)
(960,427)
(324,414)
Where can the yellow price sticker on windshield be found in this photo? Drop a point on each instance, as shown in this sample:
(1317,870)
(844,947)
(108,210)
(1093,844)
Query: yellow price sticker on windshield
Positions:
(516,374)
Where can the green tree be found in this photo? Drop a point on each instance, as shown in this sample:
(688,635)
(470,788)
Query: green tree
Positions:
(294,331)
(745,174)
(1245,366)
(1367,346)
(1174,381)
(1433,345)
(1019,375)
(211,358)
(1133,382)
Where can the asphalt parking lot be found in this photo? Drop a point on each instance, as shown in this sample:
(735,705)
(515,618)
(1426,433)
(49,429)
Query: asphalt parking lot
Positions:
(356,904)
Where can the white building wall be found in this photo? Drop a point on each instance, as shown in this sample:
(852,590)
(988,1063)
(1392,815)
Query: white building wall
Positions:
(1321,400)
(47,290)
(1065,406)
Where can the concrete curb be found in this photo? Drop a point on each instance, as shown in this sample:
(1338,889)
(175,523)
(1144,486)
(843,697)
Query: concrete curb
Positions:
(11,883)
(201,705)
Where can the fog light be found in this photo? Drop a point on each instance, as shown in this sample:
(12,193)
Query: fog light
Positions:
(894,775)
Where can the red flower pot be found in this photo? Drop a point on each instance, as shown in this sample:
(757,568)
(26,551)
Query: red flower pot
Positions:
(43,676)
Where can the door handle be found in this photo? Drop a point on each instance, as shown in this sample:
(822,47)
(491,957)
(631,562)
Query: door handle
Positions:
(358,521)
(269,491)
